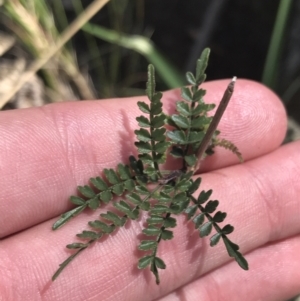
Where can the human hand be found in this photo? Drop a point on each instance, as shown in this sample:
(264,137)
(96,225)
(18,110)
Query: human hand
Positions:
(46,152)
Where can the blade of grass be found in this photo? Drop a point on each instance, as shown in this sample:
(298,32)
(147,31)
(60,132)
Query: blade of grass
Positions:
(271,65)
(145,47)
(94,54)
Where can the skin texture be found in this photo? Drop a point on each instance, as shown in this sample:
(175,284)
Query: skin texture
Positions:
(46,152)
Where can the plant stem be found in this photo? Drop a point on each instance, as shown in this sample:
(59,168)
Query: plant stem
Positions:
(214,124)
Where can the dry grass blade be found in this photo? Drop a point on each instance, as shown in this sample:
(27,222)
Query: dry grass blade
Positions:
(74,27)
(7,41)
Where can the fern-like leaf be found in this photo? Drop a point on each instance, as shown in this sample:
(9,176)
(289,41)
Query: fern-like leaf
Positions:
(229,145)
(115,183)
(142,186)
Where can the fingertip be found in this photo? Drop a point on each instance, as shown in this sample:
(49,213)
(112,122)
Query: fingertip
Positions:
(255,120)
(258,116)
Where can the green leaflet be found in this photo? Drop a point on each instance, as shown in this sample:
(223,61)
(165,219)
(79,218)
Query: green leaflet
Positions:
(205,229)
(143,186)
(102,226)
(144,262)
(114,218)
(166,234)
(186,94)
(190,211)
(219,217)
(181,121)
(143,122)
(88,235)
(86,191)
(211,206)
(67,216)
(204,196)
(201,66)
(215,239)
(94,203)
(198,220)
(151,230)
(77,201)
(143,107)
(147,245)
(169,222)
(99,183)
(190,78)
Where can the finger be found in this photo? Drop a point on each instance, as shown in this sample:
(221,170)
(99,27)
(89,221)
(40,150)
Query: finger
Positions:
(261,214)
(274,275)
(46,152)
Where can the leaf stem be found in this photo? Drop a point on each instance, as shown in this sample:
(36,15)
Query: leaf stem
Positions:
(214,124)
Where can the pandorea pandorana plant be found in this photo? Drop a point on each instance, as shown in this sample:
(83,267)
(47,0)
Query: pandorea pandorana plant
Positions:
(142,185)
